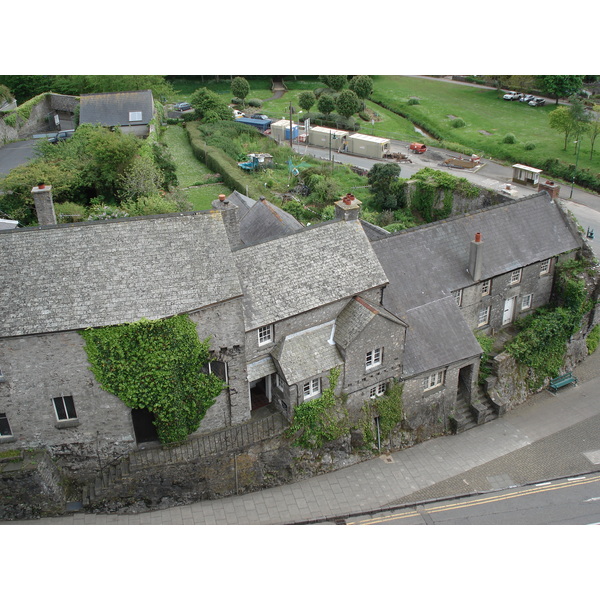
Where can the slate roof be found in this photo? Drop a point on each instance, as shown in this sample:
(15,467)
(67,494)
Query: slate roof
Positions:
(426,263)
(113,108)
(304,354)
(437,336)
(355,316)
(304,270)
(264,221)
(98,273)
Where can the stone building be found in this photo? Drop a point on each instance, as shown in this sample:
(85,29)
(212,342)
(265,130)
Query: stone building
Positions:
(282,305)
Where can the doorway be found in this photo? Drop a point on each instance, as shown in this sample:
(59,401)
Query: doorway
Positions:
(260,392)
(509,310)
(143,428)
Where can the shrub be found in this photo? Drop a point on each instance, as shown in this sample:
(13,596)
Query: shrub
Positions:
(456,123)
(254,102)
(509,138)
(69,212)
(529,146)
(593,339)
(413,101)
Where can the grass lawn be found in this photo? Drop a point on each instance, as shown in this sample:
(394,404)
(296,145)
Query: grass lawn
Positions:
(190,171)
(488,119)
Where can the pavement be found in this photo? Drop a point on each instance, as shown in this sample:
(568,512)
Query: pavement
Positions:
(548,437)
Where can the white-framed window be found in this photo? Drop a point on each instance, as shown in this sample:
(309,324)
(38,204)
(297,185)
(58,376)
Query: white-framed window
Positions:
(279,382)
(64,408)
(434,380)
(312,388)
(515,276)
(135,115)
(545,267)
(373,358)
(526,301)
(377,390)
(484,316)
(219,368)
(457,295)
(5,429)
(486,287)
(265,335)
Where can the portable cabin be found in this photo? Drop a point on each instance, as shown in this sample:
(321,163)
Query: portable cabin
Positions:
(368,145)
(526,175)
(260,124)
(324,137)
(280,130)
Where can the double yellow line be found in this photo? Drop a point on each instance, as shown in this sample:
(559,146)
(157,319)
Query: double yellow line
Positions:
(479,500)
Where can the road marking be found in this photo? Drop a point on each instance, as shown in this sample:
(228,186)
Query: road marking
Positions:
(479,501)
(592,500)
(545,483)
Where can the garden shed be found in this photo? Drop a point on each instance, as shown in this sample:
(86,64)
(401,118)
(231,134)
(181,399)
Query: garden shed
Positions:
(526,175)
(280,130)
(324,137)
(368,145)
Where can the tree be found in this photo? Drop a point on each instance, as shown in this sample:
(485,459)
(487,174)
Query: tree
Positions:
(240,87)
(347,103)
(561,120)
(336,82)
(209,104)
(594,129)
(560,86)
(381,177)
(306,100)
(362,86)
(580,116)
(326,104)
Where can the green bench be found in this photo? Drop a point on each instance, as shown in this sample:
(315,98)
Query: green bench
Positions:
(561,381)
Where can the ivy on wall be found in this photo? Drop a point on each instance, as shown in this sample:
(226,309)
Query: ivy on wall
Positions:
(156,365)
(390,410)
(542,340)
(320,420)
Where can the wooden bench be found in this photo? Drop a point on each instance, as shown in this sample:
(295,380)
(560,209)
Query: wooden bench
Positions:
(561,381)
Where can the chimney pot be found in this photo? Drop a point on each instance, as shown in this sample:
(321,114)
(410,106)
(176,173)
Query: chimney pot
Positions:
(477,237)
(222,197)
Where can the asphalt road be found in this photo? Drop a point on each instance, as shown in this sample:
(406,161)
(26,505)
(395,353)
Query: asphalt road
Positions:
(570,501)
(16,153)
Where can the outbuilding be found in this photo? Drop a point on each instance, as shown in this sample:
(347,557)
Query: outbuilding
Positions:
(526,175)
(280,130)
(324,137)
(368,145)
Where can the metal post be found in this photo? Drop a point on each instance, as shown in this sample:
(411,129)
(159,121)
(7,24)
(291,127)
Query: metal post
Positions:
(578,142)
(291,123)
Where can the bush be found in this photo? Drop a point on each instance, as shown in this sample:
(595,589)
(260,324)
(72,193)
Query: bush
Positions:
(254,102)
(509,138)
(69,212)
(529,146)
(456,123)
(413,101)
(593,339)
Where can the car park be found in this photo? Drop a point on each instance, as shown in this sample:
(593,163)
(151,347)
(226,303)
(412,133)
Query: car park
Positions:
(182,106)
(527,98)
(512,96)
(60,136)
(537,102)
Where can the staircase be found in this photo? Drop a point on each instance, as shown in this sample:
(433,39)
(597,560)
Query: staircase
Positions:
(478,412)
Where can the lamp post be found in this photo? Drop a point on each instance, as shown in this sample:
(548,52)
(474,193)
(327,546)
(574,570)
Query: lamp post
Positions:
(575,171)
(330,154)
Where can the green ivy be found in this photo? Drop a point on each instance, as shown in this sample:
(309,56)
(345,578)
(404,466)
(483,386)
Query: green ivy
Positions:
(390,410)
(486,344)
(321,420)
(542,340)
(156,365)
(593,339)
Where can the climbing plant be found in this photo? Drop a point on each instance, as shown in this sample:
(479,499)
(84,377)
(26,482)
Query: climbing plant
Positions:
(321,420)
(390,410)
(156,365)
(542,339)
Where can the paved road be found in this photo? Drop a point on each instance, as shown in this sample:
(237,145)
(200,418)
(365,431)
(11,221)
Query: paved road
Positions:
(14,154)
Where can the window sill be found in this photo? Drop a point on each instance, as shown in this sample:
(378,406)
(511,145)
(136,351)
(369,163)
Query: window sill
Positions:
(435,390)
(67,424)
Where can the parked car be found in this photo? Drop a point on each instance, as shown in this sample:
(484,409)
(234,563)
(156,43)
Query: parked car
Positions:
(512,96)
(237,114)
(537,102)
(182,106)
(261,117)
(527,98)
(60,136)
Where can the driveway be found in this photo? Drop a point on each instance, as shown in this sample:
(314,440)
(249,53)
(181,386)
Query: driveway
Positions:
(16,153)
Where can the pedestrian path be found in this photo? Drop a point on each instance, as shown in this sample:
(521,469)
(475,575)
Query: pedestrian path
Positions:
(498,454)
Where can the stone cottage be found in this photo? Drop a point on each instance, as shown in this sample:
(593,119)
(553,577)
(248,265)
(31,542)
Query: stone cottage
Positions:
(282,305)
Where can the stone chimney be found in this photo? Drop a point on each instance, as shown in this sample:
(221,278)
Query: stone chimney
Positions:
(348,208)
(44,206)
(229,212)
(476,257)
